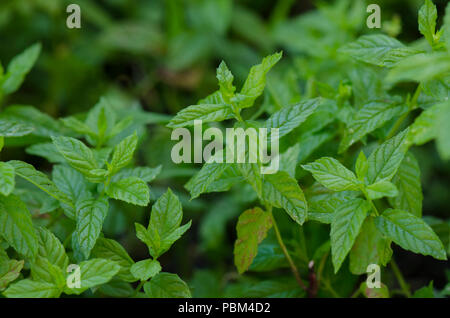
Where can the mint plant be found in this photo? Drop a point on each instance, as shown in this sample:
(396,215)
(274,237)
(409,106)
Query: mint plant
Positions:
(84,180)
(94,206)
(369,209)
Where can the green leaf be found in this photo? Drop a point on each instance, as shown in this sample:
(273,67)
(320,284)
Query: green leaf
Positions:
(153,241)
(370,247)
(372,116)
(410,232)
(424,292)
(147,174)
(382,292)
(94,272)
(252,174)
(256,80)
(203,112)
(78,126)
(78,155)
(332,174)
(101,120)
(425,126)
(420,68)
(280,287)
(131,190)
(27,288)
(112,250)
(19,67)
(345,227)
(91,214)
(282,191)
(290,117)
(323,205)
(407,181)
(31,118)
(225,78)
(7,182)
(40,180)
(11,128)
(123,152)
(51,248)
(102,155)
(427,21)
(9,271)
(395,56)
(46,150)
(251,228)
(200,182)
(289,159)
(42,270)
(117,289)
(361,166)
(71,183)
(377,49)
(16,226)
(164,226)
(385,160)
(120,126)
(381,189)
(166,285)
(270,257)
(145,269)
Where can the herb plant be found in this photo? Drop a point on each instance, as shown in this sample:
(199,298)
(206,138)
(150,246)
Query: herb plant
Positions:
(361,119)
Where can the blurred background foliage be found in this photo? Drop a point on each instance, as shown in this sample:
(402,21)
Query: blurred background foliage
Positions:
(151,58)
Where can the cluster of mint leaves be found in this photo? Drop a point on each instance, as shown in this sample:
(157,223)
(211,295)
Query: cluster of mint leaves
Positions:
(388,178)
(84,179)
(380,204)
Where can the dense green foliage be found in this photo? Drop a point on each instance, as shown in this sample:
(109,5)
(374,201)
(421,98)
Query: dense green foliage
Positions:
(363,118)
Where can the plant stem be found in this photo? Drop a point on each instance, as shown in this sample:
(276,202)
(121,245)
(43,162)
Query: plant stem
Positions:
(138,288)
(356,293)
(286,253)
(412,105)
(396,126)
(415,98)
(374,208)
(398,274)
(321,267)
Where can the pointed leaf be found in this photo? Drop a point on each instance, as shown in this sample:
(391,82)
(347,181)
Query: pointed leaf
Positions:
(427,20)
(370,247)
(112,250)
(251,229)
(345,227)
(16,226)
(410,232)
(166,285)
(332,174)
(386,159)
(123,152)
(290,117)
(28,288)
(40,180)
(7,181)
(19,67)
(282,191)
(145,269)
(131,190)
(91,214)
(407,181)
